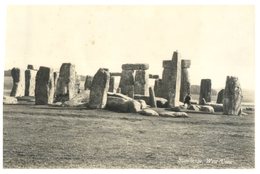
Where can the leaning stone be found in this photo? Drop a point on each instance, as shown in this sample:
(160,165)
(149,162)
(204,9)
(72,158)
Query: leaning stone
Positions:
(18,88)
(142,66)
(208,109)
(148,112)
(88,82)
(232,96)
(152,98)
(205,90)
(173,114)
(67,86)
(9,100)
(220,96)
(30,76)
(99,89)
(44,87)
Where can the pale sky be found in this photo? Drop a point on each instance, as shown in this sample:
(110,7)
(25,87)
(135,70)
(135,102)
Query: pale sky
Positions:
(219,40)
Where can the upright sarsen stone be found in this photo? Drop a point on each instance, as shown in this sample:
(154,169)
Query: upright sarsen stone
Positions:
(232,96)
(141,82)
(185,79)
(126,81)
(88,82)
(158,87)
(67,86)
(220,96)
(30,76)
(112,84)
(205,90)
(99,89)
(44,88)
(18,88)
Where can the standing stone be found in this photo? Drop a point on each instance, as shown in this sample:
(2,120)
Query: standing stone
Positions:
(126,81)
(171,80)
(141,82)
(99,89)
(220,96)
(67,85)
(152,98)
(111,84)
(18,88)
(185,79)
(232,96)
(88,82)
(205,90)
(44,88)
(158,87)
(30,76)
(55,80)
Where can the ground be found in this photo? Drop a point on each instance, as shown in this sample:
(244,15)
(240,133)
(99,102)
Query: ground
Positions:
(54,137)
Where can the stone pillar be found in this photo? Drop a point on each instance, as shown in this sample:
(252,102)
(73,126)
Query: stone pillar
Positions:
(171,80)
(152,98)
(126,81)
(141,82)
(99,89)
(30,76)
(44,88)
(232,96)
(158,87)
(112,84)
(220,96)
(18,88)
(66,86)
(185,79)
(55,80)
(88,82)
(205,90)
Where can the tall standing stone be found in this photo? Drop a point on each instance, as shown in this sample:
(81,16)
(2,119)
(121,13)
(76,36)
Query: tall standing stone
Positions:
(67,83)
(171,80)
(220,97)
(30,76)
(232,96)
(99,89)
(158,87)
(152,98)
(88,82)
(112,84)
(44,88)
(141,82)
(185,79)
(205,90)
(126,81)
(18,88)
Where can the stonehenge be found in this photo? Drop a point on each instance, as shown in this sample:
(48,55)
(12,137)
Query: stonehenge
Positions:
(18,88)
(30,76)
(66,87)
(205,90)
(44,88)
(232,96)
(185,79)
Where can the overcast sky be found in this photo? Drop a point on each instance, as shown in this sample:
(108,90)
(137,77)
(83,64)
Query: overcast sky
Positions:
(219,40)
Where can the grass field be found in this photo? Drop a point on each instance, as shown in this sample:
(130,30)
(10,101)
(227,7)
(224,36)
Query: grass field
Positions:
(49,137)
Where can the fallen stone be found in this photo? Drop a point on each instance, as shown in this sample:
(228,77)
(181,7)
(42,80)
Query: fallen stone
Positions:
(148,112)
(9,100)
(143,104)
(80,99)
(161,102)
(208,109)
(193,107)
(173,114)
(216,107)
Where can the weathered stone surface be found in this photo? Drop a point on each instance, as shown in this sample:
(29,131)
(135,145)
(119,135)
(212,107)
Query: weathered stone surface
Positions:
(185,80)
(88,82)
(194,107)
(173,114)
(67,86)
(232,96)
(111,84)
(216,107)
(99,89)
(158,87)
(171,80)
(161,102)
(148,112)
(141,82)
(44,87)
(143,104)
(206,108)
(115,74)
(9,100)
(126,81)
(220,96)
(151,76)
(118,90)
(55,81)
(30,76)
(18,88)
(122,103)
(167,64)
(80,99)
(137,66)
(152,98)
(30,66)
(205,90)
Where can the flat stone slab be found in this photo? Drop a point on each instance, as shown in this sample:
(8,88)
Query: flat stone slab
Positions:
(141,66)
